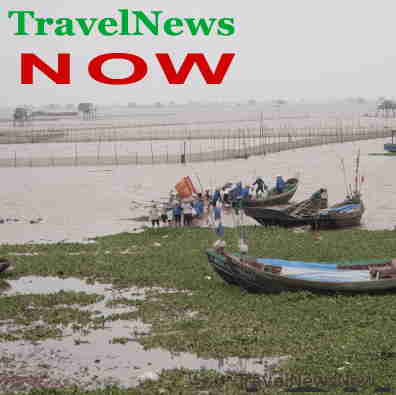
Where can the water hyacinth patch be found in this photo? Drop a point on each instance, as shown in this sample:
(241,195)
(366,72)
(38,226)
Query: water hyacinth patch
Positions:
(319,333)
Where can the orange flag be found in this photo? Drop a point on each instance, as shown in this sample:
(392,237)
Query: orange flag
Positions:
(185,188)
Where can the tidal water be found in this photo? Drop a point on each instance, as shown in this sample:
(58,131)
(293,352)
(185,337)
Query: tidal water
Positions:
(77,203)
(91,358)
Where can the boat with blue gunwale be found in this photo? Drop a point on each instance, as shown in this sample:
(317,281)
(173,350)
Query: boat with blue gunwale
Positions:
(269,275)
(347,213)
(391,147)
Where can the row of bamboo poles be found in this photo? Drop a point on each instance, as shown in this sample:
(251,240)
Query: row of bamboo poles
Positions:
(239,143)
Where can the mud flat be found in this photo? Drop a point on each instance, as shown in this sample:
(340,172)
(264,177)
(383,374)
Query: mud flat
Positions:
(100,203)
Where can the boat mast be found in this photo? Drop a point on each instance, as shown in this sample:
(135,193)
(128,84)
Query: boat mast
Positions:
(357,173)
(348,191)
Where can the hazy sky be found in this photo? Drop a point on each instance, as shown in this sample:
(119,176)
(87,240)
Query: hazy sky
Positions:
(311,49)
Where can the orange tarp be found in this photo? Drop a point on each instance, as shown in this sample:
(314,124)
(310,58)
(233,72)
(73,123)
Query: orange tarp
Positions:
(185,188)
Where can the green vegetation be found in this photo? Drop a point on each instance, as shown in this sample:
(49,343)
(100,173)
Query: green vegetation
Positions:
(325,336)
(383,154)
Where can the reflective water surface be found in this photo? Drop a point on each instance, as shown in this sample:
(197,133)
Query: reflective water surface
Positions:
(93,360)
(100,202)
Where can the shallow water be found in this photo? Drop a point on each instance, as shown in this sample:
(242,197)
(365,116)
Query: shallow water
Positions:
(92,360)
(100,363)
(100,202)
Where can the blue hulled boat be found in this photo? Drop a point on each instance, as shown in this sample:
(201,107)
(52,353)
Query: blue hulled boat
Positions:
(264,275)
(391,147)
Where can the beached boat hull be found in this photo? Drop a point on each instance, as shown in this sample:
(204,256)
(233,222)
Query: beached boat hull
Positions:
(252,279)
(275,217)
(323,220)
(274,199)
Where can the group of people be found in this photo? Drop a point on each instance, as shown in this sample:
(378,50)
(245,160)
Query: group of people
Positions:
(232,192)
(177,212)
(181,212)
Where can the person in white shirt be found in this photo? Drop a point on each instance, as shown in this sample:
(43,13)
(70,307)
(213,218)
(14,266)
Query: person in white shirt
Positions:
(187,213)
(154,216)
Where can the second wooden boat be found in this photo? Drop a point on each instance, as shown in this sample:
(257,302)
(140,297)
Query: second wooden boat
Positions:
(262,275)
(345,214)
(273,197)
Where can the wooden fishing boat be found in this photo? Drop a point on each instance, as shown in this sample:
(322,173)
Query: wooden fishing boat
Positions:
(308,212)
(297,214)
(265,275)
(347,213)
(273,197)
